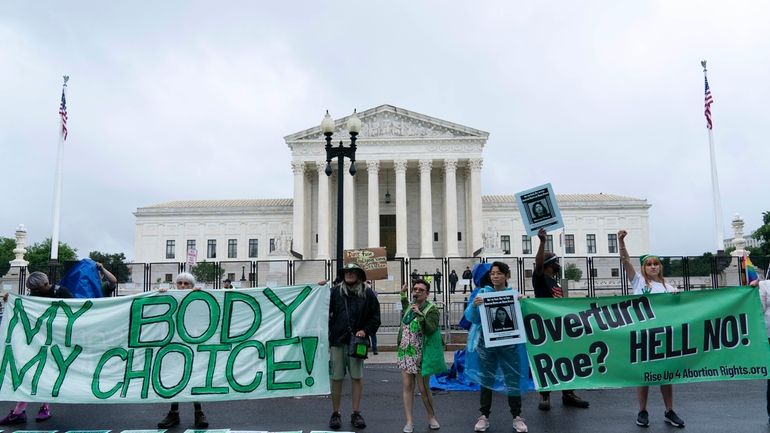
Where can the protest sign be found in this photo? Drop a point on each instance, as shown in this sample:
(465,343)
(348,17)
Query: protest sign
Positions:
(372,260)
(539,209)
(192,257)
(619,341)
(501,318)
(153,347)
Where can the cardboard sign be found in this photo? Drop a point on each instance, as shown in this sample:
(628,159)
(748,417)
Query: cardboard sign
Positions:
(372,260)
(539,209)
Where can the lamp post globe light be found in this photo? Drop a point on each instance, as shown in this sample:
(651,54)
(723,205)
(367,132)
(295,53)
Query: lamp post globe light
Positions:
(340,152)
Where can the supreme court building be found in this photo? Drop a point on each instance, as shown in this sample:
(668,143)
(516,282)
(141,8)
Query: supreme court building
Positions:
(417,192)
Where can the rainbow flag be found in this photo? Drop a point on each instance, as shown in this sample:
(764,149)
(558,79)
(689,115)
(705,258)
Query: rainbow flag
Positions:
(751,271)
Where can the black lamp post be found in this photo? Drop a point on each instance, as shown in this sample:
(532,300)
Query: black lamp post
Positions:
(340,152)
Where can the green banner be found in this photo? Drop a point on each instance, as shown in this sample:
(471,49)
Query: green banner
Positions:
(620,341)
(176,345)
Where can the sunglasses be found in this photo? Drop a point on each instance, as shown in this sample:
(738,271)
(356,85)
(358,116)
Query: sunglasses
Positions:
(183,283)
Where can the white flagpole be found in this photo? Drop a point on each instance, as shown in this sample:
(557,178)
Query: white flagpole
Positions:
(57,184)
(715,184)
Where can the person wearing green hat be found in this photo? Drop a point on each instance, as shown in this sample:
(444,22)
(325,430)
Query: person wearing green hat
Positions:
(353,310)
(649,281)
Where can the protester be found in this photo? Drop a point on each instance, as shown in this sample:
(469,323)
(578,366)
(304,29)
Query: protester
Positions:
(649,280)
(109,282)
(184,281)
(227,284)
(546,285)
(373,336)
(468,277)
(484,365)
(353,310)
(453,279)
(764,296)
(38,285)
(420,350)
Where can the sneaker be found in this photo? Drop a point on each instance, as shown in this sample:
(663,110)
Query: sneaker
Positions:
(200,420)
(643,419)
(408,428)
(519,426)
(170,420)
(44,413)
(571,399)
(434,425)
(14,418)
(335,422)
(544,404)
(673,419)
(357,420)
(482,424)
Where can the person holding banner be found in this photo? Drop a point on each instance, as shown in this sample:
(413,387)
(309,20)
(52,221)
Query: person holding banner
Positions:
(502,368)
(184,281)
(764,296)
(38,285)
(546,285)
(650,280)
(420,350)
(353,310)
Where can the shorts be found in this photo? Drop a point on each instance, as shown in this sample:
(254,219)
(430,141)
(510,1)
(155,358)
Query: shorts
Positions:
(340,362)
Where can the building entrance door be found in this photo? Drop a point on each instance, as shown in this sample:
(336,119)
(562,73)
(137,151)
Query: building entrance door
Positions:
(388,234)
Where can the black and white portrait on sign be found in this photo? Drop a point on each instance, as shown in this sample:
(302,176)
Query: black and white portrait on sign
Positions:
(501,318)
(539,209)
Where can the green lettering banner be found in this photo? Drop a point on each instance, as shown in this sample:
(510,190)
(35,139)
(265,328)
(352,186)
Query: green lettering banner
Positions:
(619,341)
(179,345)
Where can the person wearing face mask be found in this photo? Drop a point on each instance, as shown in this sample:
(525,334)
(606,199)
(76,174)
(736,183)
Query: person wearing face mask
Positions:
(420,350)
(545,280)
(650,280)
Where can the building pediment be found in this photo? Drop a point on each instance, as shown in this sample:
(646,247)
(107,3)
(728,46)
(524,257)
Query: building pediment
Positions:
(390,122)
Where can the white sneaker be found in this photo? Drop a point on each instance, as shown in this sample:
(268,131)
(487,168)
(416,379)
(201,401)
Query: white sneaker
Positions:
(519,426)
(482,424)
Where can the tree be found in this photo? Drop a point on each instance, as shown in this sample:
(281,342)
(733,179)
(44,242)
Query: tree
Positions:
(115,263)
(762,234)
(6,254)
(572,272)
(39,254)
(206,272)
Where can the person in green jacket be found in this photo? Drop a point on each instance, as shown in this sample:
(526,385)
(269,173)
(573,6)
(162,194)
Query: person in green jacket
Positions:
(420,350)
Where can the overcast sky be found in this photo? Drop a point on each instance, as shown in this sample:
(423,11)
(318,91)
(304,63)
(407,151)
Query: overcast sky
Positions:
(179,100)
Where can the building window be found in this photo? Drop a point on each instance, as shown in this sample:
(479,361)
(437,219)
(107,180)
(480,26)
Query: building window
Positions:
(253,248)
(528,273)
(526,244)
(594,273)
(435,236)
(612,243)
(615,272)
(231,276)
(232,248)
(549,244)
(170,247)
(190,244)
(569,244)
(459,236)
(505,244)
(591,244)
(211,252)
(272,244)
(168,278)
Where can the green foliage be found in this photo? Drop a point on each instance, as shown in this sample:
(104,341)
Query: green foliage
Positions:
(207,272)
(762,234)
(39,254)
(572,272)
(6,254)
(115,263)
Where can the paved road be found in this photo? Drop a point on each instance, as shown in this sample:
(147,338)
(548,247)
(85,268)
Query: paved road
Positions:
(737,406)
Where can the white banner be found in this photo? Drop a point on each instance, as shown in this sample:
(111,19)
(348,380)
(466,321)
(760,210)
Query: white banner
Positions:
(170,346)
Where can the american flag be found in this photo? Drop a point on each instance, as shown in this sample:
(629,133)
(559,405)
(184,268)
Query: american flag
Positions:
(63,114)
(709,100)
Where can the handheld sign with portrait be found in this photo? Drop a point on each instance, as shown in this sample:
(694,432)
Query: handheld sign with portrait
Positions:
(501,318)
(539,209)
(372,260)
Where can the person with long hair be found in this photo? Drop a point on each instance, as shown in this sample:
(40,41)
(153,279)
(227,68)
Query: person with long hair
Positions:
(420,350)
(501,368)
(649,281)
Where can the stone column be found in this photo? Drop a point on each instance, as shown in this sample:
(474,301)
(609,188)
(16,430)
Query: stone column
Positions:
(399,167)
(349,214)
(450,216)
(298,221)
(426,214)
(323,211)
(373,168)
(474,235)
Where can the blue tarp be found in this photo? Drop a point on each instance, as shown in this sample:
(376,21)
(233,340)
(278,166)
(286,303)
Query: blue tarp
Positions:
(83,280)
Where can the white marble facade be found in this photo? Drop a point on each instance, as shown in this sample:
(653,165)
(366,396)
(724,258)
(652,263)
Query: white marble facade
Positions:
(414,158)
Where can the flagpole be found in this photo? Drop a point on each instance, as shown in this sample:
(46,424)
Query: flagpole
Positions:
(714,179)
(58,178)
